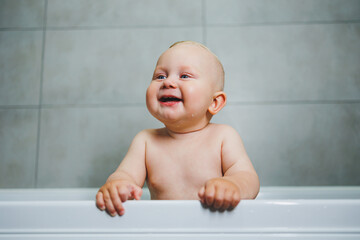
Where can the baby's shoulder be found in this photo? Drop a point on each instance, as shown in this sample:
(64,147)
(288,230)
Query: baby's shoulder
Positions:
(224,132)
(222,128)
(150,133)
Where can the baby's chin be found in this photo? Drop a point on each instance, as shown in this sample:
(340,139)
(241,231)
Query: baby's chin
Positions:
(167,113)
(170,120)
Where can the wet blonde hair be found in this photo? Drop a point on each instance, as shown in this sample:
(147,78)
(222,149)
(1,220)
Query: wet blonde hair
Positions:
(222,72)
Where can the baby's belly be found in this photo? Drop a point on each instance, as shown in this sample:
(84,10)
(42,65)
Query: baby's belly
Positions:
(174,193)
(167,188)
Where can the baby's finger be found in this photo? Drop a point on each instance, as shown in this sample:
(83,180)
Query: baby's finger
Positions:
(235,200)
(137,192)
(209,195)
(123,193)
(116,201)
(227,201)
(100,201)
(108,203)
(219,199)
(201,194)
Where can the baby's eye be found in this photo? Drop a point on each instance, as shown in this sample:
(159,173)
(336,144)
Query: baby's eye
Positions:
(160,77)
(184,76)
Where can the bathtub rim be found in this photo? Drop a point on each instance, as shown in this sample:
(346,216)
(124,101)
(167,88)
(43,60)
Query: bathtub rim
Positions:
(239,221)
(267,192)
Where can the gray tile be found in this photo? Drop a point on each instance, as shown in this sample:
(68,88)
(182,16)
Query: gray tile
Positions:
(22,13)
(18,139)
(110,13)
(105,66)
(314,144)
(282,63)
(232,12)
(81,147)
(20,67)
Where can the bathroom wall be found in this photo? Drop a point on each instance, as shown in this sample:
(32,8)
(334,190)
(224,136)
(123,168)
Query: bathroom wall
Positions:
(73,76)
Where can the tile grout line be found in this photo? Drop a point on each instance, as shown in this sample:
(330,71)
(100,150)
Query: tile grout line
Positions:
(214,25)
(290,23)
(292,102)
(71,105)
(141,105)
(40,97)
(84,28)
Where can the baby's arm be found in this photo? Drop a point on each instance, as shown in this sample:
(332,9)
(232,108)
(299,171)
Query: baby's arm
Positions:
(126,182)
(240,180)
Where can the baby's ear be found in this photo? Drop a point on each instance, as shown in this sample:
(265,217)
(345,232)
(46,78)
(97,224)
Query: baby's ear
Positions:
(219,101)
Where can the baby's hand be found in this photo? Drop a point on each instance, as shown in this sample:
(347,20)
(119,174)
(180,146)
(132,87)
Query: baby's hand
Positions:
(114,193)
(220,194)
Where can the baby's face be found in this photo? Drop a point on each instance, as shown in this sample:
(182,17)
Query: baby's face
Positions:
(183,86)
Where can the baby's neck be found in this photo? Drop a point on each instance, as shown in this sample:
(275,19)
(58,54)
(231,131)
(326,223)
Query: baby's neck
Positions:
(186,132)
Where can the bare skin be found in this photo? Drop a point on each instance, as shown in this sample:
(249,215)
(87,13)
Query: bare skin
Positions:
(190,158)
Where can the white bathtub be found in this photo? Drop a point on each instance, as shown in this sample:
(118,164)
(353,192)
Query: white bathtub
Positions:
(277,213)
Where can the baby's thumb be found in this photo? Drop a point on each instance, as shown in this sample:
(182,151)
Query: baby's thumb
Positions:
(201,193)
(136,192)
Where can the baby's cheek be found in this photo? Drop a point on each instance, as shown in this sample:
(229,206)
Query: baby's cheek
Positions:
(151,98)
(149,93)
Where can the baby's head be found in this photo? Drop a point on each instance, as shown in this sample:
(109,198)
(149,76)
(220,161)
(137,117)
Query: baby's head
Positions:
(219,76)
(187,87)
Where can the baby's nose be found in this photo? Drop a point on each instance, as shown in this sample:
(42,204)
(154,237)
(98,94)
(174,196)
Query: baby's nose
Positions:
(169,83)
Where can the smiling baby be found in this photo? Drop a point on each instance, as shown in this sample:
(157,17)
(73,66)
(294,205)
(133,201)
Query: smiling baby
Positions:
(190,158)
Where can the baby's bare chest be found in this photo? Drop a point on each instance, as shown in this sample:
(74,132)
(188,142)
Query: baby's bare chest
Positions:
(182,165)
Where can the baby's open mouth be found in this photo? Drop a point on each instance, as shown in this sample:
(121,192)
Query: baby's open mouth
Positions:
(165,99)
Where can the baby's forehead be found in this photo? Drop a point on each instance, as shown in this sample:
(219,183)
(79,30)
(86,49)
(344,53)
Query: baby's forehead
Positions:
(190,52)
(192,47)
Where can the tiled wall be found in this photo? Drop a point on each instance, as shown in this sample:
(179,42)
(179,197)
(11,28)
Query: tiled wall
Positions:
(73,76)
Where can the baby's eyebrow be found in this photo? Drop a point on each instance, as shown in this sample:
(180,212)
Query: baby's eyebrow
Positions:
(183,68)
(190,69)
(186,67)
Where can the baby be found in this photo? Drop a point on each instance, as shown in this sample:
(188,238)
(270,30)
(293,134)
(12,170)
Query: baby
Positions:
(190,158)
